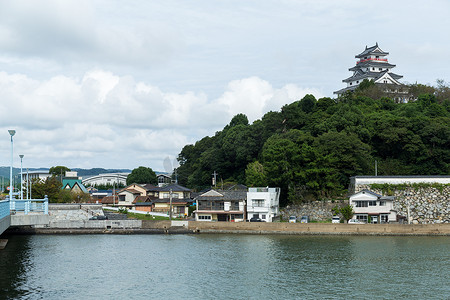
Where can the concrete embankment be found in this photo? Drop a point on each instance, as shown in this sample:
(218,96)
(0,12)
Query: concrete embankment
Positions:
(320,228)
(192,227)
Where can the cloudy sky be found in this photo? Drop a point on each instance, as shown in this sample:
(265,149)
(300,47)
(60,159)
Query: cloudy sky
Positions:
(120,84)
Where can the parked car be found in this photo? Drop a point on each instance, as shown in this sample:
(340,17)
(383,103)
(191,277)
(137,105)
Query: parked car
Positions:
(304,219)
(99,218)
(335,219)
(355,221)
(293,219)
(256,220)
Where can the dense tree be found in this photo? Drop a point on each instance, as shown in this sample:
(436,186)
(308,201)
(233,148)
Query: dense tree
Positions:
(311,148)
(142,175)
(50,187)
(58,170)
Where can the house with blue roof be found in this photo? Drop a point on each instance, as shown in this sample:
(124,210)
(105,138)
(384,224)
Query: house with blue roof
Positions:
(74,185)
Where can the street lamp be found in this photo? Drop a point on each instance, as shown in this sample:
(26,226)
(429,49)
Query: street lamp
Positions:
(21,177)
(11,133)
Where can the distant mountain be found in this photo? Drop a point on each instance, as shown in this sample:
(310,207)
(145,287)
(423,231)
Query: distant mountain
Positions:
(4,171)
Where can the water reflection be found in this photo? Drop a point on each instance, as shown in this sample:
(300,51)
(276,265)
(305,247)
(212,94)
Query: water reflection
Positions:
(225,266)
(14,263)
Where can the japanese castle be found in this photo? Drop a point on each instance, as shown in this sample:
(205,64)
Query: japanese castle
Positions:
(373,65)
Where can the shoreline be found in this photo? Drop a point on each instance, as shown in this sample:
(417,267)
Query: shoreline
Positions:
(195,227)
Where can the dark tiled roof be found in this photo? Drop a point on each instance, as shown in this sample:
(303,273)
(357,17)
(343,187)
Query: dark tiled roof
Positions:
(371,50)
(144,199)
(149,187)
(375,75)
(174,187)
(370,64)
(143,204)
(109,200)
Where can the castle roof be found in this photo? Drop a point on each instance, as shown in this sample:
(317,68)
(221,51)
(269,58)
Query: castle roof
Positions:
(370,64)
(359,75)
(372,50)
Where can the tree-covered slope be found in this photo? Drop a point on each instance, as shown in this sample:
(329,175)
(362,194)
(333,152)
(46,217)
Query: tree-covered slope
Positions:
(311,147)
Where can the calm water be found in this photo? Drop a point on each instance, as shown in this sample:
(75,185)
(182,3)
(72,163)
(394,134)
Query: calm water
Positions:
(224,267)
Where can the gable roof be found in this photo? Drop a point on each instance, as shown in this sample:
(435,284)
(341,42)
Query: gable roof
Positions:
(71,183)
(174,187)
(140,199)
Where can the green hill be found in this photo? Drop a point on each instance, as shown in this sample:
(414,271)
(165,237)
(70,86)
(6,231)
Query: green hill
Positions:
(311,147)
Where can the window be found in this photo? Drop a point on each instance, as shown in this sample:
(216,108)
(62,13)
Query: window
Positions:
(204,217)
(384,218)
(377,56)
(350,83)
(373,69)
(372,203)
(255,215)
(361,203)
(382,203)
(263,217)
(362,218)
(257,203)
(357,81)
(381,69)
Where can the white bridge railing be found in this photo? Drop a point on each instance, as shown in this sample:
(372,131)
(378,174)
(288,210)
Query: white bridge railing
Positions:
(29,205)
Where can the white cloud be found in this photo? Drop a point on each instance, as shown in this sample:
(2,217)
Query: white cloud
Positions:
(103,119)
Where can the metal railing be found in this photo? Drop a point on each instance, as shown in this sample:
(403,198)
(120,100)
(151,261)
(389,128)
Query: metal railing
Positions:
(4,208)
(29,205)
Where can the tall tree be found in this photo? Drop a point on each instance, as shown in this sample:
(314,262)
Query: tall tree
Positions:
(142,175)
(58,170)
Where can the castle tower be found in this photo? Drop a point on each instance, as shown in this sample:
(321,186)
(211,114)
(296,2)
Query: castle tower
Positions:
(373,65)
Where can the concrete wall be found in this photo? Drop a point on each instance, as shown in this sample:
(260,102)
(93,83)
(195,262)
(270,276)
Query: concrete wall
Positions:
(95,224)
(31,219)
(319,228)
(4,223)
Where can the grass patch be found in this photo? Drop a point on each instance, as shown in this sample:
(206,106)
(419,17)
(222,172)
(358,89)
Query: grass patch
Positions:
(148,217)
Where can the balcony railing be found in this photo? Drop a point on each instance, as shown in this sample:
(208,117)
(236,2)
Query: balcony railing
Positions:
(369,59)
(29,205)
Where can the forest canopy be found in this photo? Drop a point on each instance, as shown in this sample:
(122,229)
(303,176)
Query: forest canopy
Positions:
(312,146)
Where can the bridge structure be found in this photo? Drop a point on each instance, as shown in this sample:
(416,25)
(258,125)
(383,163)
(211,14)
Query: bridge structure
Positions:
(24,212)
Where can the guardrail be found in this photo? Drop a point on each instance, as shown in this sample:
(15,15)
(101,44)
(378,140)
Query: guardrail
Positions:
(30,205)
(4,208)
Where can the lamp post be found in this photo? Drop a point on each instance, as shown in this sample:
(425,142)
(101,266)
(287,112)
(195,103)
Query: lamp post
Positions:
(21,177)
(11,133)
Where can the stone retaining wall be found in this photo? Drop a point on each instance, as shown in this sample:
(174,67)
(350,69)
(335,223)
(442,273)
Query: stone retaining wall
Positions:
(428,205)
(317,210)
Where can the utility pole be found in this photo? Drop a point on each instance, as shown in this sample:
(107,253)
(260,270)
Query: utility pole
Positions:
(170,204)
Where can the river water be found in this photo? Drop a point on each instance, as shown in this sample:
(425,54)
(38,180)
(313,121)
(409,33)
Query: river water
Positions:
(208,266)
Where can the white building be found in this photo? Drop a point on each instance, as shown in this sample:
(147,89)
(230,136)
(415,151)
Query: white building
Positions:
(263,203)
(225,206)
(106,178)
(35,175)
(370,207)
